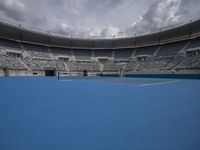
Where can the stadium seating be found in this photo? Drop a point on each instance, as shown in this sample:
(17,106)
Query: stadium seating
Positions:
(58,51)
(171,48)
(9,45)
(194,44)
(190,62)
(103,53)
(37,50)
(165,58)
(123,54)
(150,50)
(82,54)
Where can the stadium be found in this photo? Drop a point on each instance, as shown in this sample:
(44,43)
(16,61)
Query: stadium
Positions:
(30,53)
(138,91)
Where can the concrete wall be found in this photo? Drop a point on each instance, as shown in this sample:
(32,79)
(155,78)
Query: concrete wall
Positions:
(64,73)
(12,73)
(1,73)
(22,73)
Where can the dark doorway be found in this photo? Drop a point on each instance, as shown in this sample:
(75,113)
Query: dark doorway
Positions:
(6,74)
(85,73)
(35,73)
(49,73)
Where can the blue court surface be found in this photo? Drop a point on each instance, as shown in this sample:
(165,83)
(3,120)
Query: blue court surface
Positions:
(99,114)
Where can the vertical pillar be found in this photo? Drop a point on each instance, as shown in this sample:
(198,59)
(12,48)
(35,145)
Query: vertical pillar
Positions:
(189,29)
(135,42)
(20,33)
(159,36)
(113,42)
(48,38)
(72,44)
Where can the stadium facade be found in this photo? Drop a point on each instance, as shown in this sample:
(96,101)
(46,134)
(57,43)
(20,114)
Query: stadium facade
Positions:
(24,52)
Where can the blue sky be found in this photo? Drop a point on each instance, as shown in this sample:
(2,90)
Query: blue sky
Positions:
(98,17)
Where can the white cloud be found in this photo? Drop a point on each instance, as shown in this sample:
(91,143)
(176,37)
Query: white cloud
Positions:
(110,31)
(98,17)
(13,9)
(64,28)
(161,14)
(21,13)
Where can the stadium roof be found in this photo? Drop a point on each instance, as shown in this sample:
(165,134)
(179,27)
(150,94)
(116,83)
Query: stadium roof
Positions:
(181,32)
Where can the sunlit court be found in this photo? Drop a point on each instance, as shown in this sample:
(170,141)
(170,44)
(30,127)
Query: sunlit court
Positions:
(99,113)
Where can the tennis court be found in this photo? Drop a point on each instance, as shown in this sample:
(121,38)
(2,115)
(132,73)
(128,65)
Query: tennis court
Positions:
(99,113)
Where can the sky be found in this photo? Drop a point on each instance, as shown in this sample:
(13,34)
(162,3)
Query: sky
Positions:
(104,18)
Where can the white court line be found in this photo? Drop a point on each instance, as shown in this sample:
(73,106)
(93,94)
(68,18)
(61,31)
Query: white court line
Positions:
(140,85)
(65,80)
(159,83)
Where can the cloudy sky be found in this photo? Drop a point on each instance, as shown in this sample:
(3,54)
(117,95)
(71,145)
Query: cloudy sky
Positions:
(98,17)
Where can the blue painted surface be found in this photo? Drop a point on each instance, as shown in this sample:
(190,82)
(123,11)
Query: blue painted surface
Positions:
(44,113)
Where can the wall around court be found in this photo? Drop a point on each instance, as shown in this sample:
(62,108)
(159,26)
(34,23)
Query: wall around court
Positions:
(1,73)
(22,73)
(80,73)
(12,73)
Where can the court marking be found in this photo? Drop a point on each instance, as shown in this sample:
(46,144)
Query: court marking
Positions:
(160,83)
(66,80)
(130,84)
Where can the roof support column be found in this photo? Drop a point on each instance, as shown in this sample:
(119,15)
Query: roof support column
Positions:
(20,33)
(48,38)
(113,42)
(135,42)
(159,36)
(189,29)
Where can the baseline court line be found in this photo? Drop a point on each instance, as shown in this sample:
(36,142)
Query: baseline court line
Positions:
(159,83)
(65,80)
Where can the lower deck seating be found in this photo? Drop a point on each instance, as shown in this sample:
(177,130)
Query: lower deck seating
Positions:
(112,67)
(190,62)
(81,66)
(37,51)
(35,57)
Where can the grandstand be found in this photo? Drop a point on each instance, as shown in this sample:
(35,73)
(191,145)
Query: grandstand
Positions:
(172,51)
(127,93)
